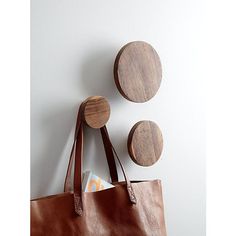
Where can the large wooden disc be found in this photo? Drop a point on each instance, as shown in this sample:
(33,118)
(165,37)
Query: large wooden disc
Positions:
(145,143)
(137,71)
(96,111)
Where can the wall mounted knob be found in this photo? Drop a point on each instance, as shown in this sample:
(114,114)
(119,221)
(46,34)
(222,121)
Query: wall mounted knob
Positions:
(145,143)
(96,111)
(137,71)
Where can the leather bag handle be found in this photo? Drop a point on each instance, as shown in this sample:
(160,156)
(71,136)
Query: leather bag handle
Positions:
(108,151)
(78,202)
(77,153)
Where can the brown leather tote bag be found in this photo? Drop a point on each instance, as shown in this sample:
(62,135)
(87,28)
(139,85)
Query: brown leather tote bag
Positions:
(129,209)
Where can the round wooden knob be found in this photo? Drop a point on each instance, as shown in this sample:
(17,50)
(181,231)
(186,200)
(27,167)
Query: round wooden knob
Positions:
(137,71)
(96,111)
(145,143)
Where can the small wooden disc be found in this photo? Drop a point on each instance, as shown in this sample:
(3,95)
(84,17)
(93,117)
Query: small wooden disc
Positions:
(137,71)
(145,143)
(96,111)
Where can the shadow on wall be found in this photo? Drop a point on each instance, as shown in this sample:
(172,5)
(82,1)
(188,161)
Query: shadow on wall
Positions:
(97,78)
(94,153)
(48,166)
(56,128)
(96,74)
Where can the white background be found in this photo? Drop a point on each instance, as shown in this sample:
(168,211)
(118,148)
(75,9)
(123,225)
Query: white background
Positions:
(217,50)
(74,44)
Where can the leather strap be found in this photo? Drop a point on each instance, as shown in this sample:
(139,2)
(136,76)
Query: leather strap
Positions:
(77,156)
(107,148)
(67,182)
(109,154)
(78,201)
(78,172)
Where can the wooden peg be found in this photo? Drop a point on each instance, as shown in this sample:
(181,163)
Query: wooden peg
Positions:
(137,71)
(145,143)
(96,111)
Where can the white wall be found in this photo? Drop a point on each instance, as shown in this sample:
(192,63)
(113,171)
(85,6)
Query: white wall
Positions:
(74,44)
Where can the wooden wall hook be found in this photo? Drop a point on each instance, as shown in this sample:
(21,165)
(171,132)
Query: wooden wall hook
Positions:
(95,111)
(145,143)
(137,71)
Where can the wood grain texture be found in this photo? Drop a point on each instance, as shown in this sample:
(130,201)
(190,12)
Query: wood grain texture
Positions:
(137,71)
(96,111)
(145,143)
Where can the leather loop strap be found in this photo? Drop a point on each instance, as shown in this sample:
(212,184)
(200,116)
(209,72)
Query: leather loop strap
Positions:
(78,172)
(77,156)
(109,154)
(67,182)
(108,151)
(78,196)
(128,183)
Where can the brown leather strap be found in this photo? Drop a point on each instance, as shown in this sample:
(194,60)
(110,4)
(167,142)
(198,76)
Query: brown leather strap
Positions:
(78,201)
(109,154)
(129,186)
(78,172)
(108,151)
(68,182)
